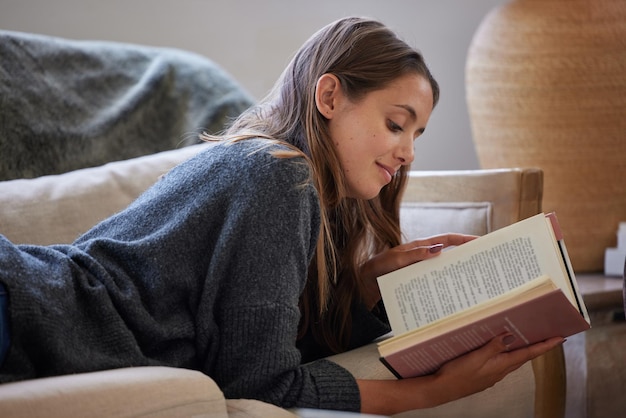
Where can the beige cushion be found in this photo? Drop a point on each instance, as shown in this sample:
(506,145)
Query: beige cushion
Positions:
(419,220)
(157,392)
(250,408)
(514,193)
(512,397)
(57,209)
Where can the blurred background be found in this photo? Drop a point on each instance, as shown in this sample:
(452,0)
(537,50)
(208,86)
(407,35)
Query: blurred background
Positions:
(254,40)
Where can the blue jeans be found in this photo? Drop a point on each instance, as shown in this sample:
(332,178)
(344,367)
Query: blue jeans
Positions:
(4,324)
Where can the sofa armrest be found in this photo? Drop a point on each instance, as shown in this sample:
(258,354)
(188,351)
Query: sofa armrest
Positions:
(490,199)
(514,193)
(128,392)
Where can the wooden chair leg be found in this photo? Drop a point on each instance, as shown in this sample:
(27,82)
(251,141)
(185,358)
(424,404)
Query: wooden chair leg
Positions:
(550,384)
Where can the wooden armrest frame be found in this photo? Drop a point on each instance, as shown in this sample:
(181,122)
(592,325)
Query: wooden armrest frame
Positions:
(515,194)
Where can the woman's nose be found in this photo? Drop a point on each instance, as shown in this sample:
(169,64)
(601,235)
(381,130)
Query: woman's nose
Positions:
(406,152)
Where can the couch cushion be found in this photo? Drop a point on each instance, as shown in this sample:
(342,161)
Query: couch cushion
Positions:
(153,392)
(251,408)
(423,219)
(511,397)
(56,209)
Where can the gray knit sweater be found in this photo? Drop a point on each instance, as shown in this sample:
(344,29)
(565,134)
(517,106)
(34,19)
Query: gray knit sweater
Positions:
(203,271)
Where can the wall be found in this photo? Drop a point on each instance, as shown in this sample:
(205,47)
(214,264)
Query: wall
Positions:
(253,40)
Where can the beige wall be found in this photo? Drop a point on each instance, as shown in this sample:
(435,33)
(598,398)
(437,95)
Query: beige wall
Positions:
(253,40)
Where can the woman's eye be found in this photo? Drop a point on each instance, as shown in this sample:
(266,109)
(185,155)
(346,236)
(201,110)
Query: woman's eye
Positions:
(394,127)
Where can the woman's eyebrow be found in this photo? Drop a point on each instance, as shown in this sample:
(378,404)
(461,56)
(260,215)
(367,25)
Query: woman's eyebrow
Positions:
(409,109)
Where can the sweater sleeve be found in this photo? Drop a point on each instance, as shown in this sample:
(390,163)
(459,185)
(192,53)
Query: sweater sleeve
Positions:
(268,237)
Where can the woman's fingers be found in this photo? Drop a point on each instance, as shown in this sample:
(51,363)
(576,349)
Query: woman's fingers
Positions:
(484,367)
(447,240)
(498,355)
(404,255)
(422,249)
(412,252)
(522,355)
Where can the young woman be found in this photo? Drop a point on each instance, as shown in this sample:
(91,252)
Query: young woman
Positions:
(258,257)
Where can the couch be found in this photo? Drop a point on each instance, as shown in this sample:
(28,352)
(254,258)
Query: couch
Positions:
(87,126)
(57,208)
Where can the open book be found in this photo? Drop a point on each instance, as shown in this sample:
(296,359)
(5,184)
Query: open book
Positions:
(517,279)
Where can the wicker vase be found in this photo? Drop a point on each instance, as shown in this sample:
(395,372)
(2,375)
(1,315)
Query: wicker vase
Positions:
(546,87)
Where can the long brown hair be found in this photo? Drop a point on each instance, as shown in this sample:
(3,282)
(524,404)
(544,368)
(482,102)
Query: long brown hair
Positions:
(365,56)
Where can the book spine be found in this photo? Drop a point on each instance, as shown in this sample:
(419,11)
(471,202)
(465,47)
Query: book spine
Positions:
(390,367)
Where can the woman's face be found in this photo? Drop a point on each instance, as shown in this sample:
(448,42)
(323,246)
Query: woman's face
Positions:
(374,136)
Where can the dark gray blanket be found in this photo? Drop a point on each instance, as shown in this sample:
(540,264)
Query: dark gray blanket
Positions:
(67,104)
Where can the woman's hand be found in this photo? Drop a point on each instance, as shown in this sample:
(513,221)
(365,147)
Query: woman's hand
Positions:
(463,376)
(486,366)
(403,255)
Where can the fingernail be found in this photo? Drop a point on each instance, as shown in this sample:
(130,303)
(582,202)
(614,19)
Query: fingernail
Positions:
(508,339)
(435,248)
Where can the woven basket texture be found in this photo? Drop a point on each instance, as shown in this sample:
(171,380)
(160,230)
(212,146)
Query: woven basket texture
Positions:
(546,87)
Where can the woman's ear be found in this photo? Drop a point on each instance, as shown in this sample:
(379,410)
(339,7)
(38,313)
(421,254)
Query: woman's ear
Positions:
(327,91)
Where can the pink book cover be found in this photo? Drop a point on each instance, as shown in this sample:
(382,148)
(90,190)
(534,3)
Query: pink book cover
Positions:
(550,315)
(556,227)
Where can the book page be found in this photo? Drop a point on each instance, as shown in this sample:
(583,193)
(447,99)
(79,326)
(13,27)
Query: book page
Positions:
(472,273)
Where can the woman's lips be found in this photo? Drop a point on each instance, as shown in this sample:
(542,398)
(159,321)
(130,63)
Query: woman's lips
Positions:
(388,172)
